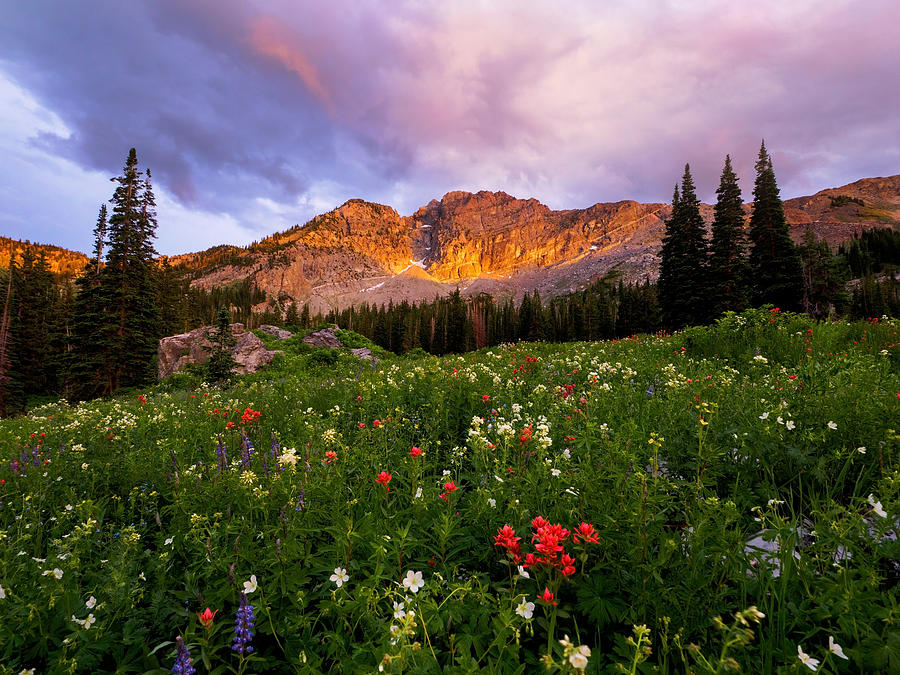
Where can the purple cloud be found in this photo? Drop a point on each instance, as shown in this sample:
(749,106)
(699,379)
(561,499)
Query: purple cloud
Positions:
(238,104)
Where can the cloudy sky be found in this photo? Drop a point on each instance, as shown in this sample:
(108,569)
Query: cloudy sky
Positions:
(257,115)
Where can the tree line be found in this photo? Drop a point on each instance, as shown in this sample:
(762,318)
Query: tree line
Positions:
(605,309)
(92,335)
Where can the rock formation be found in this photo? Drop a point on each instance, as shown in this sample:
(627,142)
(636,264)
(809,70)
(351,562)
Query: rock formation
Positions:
(275,331)
(323,338)
(175,353)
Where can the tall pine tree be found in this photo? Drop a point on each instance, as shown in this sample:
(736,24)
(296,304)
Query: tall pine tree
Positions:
(683,270)
(117,320)
(774,261)
(729,270)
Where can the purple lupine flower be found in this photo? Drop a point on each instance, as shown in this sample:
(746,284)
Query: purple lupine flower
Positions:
(222,456)
(243,628)
(301,500)
(182,660)
(275,451)
(246,454)
(650,391)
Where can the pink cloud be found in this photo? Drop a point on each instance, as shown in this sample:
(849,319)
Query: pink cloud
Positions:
(271,39)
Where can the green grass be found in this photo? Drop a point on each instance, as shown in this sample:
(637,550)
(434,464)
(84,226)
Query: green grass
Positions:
(676,450)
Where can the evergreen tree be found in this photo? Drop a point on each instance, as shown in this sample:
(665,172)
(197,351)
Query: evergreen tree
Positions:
(172,299)
(132,329)
(6,376)
(291,317)
(729,270)
(221,363)
(683,284)
(774,262)
(88,354)
(823,279)
(34,302)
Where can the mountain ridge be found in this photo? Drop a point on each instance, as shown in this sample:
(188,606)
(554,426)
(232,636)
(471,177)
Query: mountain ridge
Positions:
(481,242)
(493,242)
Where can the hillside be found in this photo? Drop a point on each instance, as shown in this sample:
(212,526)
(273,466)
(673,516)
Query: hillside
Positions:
(62,261)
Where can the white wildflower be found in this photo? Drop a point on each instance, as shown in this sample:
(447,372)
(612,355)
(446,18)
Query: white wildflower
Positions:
(525,609)
(250,586)
(877,507)
(579,657)
(807,660)
(340,576)
(835,648)
(413,581)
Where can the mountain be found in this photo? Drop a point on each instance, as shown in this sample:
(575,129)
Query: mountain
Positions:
(485,242)
(837,213)
(490,242)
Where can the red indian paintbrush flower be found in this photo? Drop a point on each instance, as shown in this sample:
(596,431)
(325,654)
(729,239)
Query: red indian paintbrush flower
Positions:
(206,618)
(539,522)
(587,533)
(547,597)
(384,478)
(416,451)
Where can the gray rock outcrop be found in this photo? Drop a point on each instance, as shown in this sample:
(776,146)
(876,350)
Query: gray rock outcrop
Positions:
(176,352)
(275,331)
(323,338)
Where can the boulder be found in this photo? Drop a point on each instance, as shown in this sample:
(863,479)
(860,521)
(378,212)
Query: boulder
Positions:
(176,352)
(280,333)
(365,354)
(251,354)
(323,338)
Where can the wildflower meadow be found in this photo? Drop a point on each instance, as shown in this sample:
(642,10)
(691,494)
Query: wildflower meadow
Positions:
(726,498)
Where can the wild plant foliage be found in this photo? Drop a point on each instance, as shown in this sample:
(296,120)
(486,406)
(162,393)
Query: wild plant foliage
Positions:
(722,498)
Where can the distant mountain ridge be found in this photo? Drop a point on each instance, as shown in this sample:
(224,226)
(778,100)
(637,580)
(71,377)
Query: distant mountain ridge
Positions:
(491,242)
(61,260)
(484,242)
